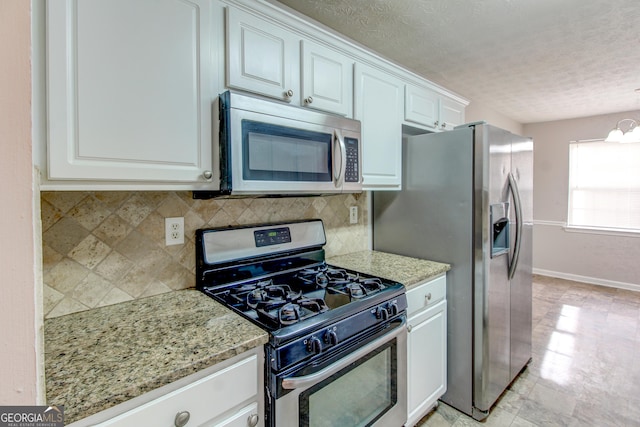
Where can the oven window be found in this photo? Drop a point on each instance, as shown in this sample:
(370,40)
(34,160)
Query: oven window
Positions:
(356,396)
(279,153)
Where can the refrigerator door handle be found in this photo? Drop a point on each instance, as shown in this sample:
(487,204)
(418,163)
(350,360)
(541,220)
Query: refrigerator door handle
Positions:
(518,208)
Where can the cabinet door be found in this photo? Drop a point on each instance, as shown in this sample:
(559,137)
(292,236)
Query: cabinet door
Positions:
(427,360)
(261,57)
(378,105)
(451,113)
(327,79)
(129,89)
(205,400)
(421,106)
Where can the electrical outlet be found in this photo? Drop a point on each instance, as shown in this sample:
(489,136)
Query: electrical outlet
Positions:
(174,231)
(353,215)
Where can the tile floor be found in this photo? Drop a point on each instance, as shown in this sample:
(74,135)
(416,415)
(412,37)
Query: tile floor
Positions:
(586,362)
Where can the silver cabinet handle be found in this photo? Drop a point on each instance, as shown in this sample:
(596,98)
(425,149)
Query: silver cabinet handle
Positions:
(253,419)
(207,175)
(409,328)
(288,94)
(182,418)
(308,99)
(436,123)
(443,125)
(427,297)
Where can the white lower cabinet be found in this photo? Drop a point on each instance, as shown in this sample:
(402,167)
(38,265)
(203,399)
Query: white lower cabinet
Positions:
(230,397)
(427,347)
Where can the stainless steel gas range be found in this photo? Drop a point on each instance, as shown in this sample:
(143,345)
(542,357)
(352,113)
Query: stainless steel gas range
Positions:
(336,354)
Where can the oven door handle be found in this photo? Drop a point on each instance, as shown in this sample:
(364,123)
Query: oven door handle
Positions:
(315,378)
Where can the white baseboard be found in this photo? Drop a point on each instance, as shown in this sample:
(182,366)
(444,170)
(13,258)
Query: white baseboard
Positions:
(586,279)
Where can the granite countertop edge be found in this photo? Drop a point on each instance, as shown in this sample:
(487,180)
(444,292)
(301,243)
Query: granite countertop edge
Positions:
(407,270)
(99,358)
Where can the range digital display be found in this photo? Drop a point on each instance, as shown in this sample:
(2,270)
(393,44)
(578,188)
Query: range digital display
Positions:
(274,236)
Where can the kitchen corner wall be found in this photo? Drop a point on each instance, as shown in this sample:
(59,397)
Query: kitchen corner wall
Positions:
(101,248)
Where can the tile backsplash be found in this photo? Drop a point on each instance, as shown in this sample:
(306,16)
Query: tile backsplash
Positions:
(101,248)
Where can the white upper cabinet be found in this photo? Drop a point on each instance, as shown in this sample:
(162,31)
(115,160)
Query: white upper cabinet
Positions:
(130,88)
(428,108)
(421,106)
(451,113)
(378,105)
(327,79)
(267,59)
(261,57)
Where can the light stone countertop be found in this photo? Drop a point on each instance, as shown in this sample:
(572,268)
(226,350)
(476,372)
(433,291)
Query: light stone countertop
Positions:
(99,358)
(406,270)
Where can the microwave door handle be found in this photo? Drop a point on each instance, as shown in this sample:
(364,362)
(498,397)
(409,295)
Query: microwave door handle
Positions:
(337,179)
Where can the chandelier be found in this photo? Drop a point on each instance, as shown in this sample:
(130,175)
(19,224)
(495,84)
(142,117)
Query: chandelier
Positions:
(631,134)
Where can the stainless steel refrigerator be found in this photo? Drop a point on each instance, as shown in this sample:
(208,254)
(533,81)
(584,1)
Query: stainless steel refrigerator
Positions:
(466,200)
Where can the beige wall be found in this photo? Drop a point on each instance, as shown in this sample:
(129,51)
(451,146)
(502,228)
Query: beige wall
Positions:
(18,348)
(595,258)
(476,112)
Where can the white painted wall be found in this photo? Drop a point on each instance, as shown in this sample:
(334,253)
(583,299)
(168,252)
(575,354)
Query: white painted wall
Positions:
(594,258)
(477,112)
(19,317)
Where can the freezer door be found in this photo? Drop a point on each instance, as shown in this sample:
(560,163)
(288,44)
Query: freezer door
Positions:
(492,295)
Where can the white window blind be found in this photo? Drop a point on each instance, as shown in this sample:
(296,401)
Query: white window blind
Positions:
(604,185)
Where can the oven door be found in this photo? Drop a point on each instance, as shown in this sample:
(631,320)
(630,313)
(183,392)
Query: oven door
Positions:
(364,387)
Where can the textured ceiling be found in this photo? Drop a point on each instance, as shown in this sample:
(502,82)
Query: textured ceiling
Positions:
(531,60)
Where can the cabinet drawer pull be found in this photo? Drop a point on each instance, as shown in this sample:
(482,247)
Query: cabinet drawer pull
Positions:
(427,297)
(207,175)
(409,328)
(253,419)
(308,99)
(288,94)
(182,418)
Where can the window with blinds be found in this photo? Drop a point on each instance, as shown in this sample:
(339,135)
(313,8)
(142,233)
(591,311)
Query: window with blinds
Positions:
(604,185)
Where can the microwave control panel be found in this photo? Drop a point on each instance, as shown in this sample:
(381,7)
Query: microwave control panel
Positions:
(352,174)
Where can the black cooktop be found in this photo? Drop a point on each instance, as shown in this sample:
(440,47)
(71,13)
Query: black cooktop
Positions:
(276,276)
(286,299)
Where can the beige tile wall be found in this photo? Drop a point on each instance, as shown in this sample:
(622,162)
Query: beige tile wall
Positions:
(101,248)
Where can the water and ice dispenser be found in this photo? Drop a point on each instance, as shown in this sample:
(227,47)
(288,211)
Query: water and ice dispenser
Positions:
(499,216)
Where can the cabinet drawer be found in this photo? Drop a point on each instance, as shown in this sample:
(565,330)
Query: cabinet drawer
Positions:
(239,419)
(426,295)
(204,399)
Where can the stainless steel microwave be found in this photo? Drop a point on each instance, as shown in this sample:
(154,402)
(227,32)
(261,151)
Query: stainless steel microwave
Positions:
(265,147)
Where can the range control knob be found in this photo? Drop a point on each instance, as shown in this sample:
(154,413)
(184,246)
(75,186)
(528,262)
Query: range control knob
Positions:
(392,308)
(382,313)
(331,338)
(314,345)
